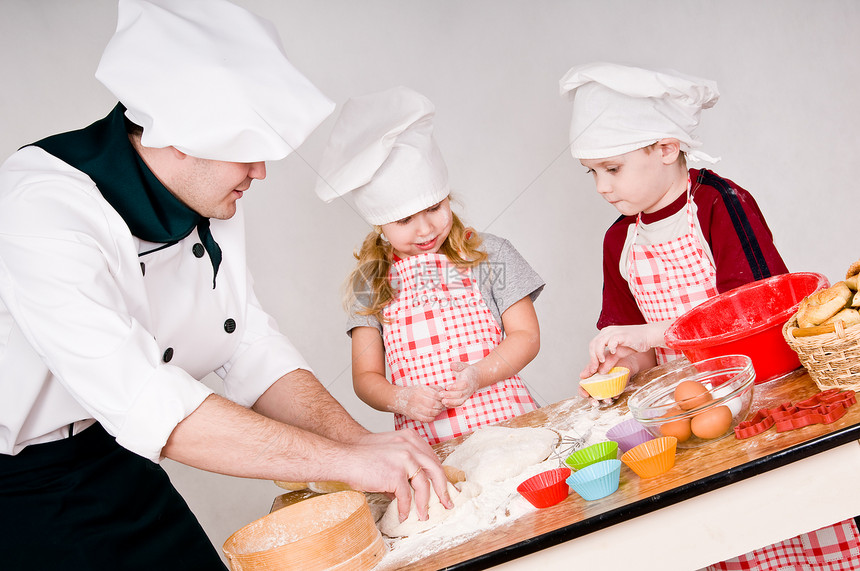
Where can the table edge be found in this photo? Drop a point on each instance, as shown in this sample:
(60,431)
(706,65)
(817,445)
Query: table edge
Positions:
(663,499)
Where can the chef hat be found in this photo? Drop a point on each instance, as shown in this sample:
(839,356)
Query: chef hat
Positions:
(618,109)
(382,158)
(209,78)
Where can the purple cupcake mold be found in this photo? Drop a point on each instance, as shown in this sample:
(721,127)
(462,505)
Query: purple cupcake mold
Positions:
(629,434)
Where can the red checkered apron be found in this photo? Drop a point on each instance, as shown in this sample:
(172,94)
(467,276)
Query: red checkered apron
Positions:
(832,548)
(439,317)
(670,278)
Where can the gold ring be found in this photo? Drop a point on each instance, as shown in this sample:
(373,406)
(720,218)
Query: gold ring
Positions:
(415,473)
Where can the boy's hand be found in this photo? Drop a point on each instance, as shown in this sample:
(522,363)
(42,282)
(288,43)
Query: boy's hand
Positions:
(618,358)
(467,380)
(611,340)
(637,337)
(421,403)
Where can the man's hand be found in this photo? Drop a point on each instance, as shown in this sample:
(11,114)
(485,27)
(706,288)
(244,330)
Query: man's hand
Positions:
(399,463)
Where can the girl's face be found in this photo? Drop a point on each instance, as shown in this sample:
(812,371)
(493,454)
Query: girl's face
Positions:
(422,233)
(634,182)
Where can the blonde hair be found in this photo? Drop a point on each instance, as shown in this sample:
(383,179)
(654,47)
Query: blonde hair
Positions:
(375,256)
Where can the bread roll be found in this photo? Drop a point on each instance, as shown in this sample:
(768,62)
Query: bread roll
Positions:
(853,270)
(852,282)
(327,487)
(292,486)
(848,317)
(824,304)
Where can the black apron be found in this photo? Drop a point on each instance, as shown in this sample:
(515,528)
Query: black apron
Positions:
(86,503)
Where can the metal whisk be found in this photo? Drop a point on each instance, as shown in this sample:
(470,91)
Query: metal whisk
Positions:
(569,445)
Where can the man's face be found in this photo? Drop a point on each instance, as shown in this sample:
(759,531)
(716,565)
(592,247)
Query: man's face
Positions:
(211,188)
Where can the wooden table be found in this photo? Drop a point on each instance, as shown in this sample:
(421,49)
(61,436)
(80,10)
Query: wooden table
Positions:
(721,507)
(719,500)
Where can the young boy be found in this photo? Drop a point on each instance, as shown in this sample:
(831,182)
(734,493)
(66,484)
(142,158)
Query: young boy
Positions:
(683,236)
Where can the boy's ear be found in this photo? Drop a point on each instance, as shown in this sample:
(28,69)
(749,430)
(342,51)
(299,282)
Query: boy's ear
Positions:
(670,150)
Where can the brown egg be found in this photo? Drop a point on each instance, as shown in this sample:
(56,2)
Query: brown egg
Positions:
(712,423)
(680,429)
(690,395)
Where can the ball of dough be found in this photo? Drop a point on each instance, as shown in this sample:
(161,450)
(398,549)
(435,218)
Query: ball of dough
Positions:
(496,453)
(391,525)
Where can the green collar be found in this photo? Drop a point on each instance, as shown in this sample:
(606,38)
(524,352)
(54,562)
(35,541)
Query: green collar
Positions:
(152,213)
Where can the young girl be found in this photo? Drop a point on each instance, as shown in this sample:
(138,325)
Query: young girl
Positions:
(447,309)
(683,236)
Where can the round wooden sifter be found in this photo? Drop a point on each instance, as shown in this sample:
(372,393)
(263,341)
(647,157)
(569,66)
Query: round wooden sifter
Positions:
(332,531)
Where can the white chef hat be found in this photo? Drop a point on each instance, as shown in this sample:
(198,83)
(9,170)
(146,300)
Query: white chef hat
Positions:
(618,109)
(209,78)
(382,158)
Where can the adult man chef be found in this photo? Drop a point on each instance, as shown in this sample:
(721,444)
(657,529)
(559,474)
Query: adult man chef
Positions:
(123,282)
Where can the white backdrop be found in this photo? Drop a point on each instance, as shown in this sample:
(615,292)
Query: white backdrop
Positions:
(786,128)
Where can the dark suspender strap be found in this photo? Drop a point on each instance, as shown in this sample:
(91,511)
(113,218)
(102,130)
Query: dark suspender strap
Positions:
(741,223)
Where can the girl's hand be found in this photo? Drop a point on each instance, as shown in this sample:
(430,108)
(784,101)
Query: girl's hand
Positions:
(467,380)
(421,403)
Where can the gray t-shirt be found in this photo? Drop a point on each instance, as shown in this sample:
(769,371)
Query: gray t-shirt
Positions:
(503,279)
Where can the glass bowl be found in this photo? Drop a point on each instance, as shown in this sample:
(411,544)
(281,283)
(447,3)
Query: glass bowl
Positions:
(729,381)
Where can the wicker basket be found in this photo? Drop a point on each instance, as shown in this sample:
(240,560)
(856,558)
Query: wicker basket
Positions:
(832,359)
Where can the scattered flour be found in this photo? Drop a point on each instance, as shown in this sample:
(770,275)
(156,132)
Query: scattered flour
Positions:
(580,424)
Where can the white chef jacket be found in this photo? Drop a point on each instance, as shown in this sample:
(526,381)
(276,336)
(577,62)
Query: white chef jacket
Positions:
(90,329)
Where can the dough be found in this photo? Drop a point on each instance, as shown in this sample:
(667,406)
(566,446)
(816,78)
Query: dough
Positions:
(390,523)
(496,453)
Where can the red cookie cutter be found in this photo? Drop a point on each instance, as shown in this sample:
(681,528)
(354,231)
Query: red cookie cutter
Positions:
(761,421)
(829,397)
(823,408)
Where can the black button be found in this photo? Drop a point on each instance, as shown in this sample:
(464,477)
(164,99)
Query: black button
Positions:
(197,250)
(143,268)
(168,354)
(230,325)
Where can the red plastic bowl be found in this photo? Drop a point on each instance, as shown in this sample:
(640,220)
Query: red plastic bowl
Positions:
(747,320)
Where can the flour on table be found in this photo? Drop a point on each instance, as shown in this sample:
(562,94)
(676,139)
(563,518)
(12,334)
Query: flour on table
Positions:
(498,502)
